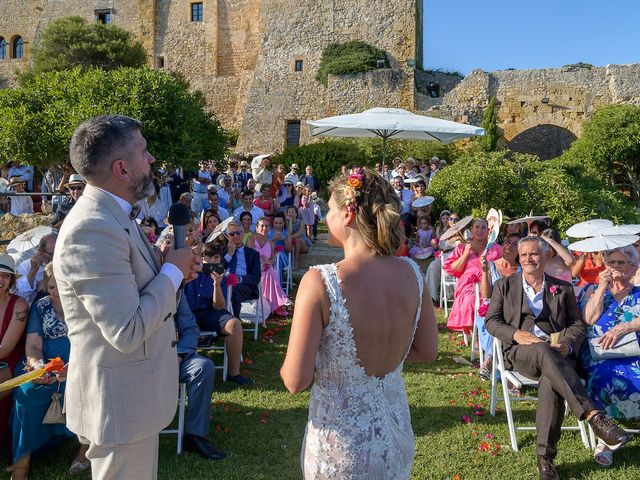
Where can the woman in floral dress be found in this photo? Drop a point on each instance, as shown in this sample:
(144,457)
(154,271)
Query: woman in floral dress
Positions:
(612,310)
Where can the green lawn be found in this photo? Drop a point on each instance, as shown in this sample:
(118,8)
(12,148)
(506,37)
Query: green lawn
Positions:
(261,428)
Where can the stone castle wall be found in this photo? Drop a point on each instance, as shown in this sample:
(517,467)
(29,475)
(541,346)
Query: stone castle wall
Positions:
(563,97)
(242,55)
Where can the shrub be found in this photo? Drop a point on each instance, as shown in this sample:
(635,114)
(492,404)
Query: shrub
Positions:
(491,134)
(563,190)
(349,57)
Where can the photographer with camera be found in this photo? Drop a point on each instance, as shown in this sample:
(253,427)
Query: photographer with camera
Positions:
(207,302)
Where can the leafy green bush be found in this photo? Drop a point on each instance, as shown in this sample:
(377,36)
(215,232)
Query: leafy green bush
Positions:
(326,158)
(349,57)
(38,118)
(567,193)
(418,149)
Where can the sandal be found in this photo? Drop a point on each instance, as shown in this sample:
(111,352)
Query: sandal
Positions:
(603,455)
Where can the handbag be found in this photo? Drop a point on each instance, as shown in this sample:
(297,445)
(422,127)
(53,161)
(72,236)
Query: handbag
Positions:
(54,412)
(626,346)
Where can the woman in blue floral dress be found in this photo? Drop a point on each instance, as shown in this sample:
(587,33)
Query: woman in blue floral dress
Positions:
(612,310)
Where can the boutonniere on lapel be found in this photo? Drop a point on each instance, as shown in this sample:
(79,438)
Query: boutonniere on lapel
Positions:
(553,289)
(232,279)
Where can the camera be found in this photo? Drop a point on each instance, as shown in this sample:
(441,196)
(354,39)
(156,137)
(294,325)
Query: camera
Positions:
(209,268)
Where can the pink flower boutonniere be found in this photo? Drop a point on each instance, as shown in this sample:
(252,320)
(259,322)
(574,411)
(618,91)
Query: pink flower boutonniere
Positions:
(553,289)
(232,279)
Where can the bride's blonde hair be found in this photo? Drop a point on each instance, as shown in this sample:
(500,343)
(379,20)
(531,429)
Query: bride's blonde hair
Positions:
(376,205)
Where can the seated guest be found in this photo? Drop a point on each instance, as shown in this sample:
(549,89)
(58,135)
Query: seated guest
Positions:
(13,313)
(281,239)
(210,220)
(422,244)
(492,272)
(287,195)
(526,309)
(301,243)
(198,373)
(611,311)
(587,267)
(75,186)
(150,228)
(31,271)
(207,302)
(22,204)
(248,206)
(246,220)
(265,202)
(46,338)
(443,248)
(271,290)
(560,259)
(464,265)
(213,203)
(245,264)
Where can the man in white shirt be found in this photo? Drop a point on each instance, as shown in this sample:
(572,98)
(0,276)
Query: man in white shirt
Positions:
(248,206)
(153,206)
(293,174)
(260,169)
(406,197)
(31,271)
(21,204)
(25,172)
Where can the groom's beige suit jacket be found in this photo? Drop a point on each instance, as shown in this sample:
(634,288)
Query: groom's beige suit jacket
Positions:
(123,370)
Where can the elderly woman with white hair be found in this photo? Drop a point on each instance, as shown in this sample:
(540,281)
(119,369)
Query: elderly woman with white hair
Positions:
(612,312)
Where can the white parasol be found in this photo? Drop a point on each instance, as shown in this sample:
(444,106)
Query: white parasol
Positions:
(422,202)
(219,230)
(494,221)
(527,219)
(620,230)
(4,185)
(25,244)
(590,228)
(456,228)
(602,243)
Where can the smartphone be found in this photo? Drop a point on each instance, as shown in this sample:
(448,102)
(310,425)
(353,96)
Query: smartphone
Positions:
(209,268)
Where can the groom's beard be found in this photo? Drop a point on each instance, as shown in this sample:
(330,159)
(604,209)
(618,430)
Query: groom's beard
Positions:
(143,187)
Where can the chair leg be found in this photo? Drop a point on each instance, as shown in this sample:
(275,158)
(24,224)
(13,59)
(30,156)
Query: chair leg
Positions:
(507,408)
(181,408)
(225,362)
(474,340)
(494,381)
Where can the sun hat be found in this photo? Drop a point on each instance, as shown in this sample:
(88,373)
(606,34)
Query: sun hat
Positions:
(15,181)
(299,184)
(7,264)
(75,179)
(244,163)
(294,165)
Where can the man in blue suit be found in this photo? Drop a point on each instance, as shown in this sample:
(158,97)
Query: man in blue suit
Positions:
(244,262)
(198,373)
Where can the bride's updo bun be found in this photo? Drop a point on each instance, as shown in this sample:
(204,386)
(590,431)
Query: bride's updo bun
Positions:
(376,205)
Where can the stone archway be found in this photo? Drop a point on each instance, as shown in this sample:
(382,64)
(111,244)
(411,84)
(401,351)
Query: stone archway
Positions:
(546,141)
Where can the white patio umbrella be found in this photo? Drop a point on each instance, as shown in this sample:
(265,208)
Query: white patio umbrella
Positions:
(392,123)
(602,243)
(24,245)
(589,228)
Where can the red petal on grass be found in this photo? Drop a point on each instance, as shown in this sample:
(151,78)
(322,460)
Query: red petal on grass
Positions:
(465,419)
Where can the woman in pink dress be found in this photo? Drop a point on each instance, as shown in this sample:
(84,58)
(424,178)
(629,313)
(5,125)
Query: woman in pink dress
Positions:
(464,264)
(271,290)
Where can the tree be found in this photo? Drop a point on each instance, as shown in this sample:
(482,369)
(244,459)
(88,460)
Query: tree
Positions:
(38,118)
(491,135)
(73,42)
(610,145)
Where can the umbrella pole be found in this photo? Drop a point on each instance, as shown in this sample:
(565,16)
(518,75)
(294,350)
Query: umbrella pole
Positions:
(384,151)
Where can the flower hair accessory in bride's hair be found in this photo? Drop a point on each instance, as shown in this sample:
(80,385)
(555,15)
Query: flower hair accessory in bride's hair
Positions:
(353,189)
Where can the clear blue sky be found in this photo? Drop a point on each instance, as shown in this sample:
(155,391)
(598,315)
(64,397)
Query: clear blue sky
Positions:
(492,35)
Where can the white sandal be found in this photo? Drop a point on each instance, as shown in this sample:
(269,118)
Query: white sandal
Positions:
(603,455)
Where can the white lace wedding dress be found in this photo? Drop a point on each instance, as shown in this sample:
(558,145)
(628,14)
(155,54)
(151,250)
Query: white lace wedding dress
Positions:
(359,425)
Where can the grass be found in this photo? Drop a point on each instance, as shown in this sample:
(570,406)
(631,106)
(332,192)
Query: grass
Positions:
(261,428)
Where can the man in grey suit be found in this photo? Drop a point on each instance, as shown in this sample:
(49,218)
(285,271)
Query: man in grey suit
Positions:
(526,309)
(119,301)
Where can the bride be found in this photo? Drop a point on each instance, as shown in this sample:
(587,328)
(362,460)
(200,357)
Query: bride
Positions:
(355,323)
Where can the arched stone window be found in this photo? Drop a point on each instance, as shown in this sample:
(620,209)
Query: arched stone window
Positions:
(3,48)
(17,47)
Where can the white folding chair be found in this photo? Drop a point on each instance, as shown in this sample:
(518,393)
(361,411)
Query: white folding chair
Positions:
(519,381)
(220,348)
(252,311)
(285,272)
(475,335)
(182,397)
(447,284)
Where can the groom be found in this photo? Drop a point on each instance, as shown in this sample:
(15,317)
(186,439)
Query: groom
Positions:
(526,308)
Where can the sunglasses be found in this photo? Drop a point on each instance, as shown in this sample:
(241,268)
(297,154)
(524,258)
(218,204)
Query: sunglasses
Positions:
(617,263)
(76,188)
(233,234)
(454,219)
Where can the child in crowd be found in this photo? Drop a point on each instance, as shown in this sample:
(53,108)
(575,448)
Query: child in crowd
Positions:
(422,247)
(306,211)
